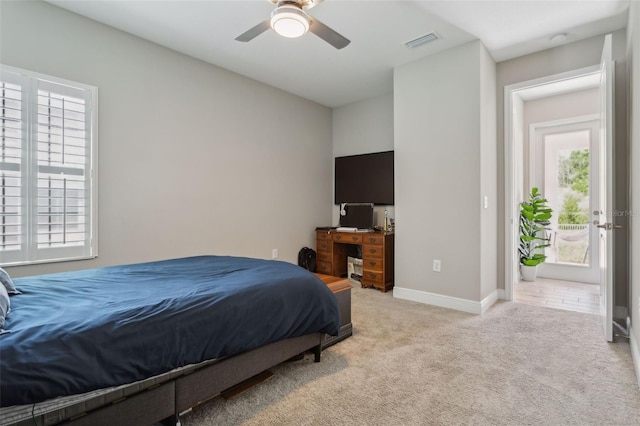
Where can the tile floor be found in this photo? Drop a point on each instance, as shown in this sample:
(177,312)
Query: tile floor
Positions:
(567,295)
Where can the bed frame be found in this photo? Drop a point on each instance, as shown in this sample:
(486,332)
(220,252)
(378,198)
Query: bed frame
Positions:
(165,400)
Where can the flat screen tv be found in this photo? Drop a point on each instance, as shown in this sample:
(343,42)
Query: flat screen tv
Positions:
(364,178)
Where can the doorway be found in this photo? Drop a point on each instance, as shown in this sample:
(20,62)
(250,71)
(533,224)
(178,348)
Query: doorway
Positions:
(522,174)
(602,218)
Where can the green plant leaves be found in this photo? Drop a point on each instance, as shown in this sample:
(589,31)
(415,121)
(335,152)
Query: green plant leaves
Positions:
(535,217)
(533,261)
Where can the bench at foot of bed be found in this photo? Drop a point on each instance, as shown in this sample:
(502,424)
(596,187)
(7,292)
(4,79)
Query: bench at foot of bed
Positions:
(342,289)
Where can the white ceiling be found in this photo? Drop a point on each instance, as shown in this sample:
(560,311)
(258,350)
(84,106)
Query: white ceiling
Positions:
(313,69)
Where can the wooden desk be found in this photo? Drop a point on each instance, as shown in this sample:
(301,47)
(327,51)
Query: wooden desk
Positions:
(377,255)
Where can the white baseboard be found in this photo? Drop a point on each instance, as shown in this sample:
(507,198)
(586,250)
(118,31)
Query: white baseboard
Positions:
(501,294)
(635,355)
(488,301)
(464,305)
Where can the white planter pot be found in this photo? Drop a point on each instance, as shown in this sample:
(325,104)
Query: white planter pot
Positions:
(528,272)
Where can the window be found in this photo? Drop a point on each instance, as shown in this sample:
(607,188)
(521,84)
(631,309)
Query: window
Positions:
(47,160)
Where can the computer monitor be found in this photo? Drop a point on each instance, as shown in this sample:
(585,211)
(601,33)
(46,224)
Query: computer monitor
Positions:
(357,216)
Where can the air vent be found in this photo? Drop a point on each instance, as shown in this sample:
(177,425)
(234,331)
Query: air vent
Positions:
(427,38)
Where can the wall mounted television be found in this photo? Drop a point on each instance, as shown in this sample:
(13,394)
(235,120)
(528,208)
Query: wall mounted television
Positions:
(364,178)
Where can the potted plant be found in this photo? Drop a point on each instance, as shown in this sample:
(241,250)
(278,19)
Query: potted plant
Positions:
(534,222)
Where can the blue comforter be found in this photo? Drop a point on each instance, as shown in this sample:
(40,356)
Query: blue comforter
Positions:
(75,332)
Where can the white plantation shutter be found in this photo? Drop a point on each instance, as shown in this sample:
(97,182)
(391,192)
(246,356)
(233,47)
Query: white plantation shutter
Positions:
(11,128)
(49,209)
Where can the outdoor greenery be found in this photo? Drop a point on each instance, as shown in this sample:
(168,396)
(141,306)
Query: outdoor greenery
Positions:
(574,171)
(573,175)
(534,222)
(571,212)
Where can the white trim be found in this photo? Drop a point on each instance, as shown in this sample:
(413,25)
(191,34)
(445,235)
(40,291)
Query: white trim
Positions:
(568,75)
(509,246)
(36,262)
(502,295)
(567,121)
(488,301)
(635,355)
(512,98)
(45,78)
(456,303)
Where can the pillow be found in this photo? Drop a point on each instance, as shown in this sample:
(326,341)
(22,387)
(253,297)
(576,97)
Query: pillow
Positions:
(5,307)
(8,283)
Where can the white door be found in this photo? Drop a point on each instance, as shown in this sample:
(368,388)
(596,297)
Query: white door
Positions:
(604,217)
(564,165)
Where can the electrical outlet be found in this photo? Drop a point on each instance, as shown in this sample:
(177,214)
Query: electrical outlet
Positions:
(274,253)
(436,265)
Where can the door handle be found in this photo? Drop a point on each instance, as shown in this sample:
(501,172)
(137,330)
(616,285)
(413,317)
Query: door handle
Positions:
(608,226)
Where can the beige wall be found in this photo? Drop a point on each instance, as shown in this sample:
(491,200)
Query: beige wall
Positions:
(554,61)
(193,159)
(441,138)
(633,46)
(362,127)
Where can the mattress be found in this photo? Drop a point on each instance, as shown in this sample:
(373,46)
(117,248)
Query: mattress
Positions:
(81,331)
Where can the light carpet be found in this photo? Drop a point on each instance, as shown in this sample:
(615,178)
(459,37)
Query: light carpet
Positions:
(414,364)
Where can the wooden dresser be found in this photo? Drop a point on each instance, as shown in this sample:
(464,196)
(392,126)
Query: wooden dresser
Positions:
(332,249)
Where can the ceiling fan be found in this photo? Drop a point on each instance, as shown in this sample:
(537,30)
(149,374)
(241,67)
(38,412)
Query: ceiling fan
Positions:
(290,20)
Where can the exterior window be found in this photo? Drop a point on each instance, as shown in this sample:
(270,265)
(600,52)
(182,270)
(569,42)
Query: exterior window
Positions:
(47,160)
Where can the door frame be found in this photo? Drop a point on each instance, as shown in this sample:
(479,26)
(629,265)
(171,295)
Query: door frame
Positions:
(514,98)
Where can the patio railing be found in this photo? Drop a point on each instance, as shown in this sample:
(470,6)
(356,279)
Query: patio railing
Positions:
(572,226)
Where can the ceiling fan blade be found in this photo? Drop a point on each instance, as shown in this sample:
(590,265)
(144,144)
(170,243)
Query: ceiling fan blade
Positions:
(327,34)
(255,31)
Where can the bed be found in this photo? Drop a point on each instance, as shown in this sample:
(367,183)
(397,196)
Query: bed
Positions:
(156,337)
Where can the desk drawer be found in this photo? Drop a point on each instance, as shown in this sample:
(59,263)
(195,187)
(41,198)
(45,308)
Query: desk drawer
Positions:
(373,263)
(372,251)
(323,268)
(323,256)
(372,277)
(323,235)
(323,245)
(347,238)
(376,240)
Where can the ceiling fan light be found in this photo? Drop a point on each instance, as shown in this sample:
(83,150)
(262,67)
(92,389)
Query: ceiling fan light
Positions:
(289,21)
